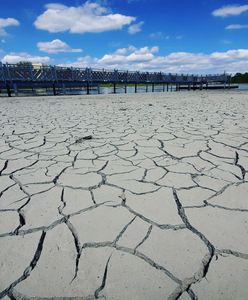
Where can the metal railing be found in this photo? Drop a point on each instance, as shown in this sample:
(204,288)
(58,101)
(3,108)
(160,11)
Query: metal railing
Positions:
(14,73)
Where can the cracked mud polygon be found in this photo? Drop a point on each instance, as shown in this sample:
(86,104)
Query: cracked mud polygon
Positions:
(124,196)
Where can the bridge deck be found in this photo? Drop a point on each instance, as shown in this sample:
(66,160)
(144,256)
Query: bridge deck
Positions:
(13,76)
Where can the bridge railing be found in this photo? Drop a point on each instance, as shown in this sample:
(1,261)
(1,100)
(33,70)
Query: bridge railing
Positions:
(29,72)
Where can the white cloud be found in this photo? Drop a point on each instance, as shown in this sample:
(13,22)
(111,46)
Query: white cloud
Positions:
(135,28)
(56,46)
(14,58)
(6,23)
(237,26)
(148,59)
(230,10)
(129,55)
(231,55)
(159,35)
(89,17)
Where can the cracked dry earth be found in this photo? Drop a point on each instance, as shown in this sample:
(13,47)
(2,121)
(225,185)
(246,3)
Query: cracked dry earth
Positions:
(154,206)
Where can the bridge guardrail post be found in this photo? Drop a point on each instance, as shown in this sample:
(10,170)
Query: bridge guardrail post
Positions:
(72,74)
(8,77)
(31,69)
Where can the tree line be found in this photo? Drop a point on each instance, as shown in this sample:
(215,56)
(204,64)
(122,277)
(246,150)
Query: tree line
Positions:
(240,78)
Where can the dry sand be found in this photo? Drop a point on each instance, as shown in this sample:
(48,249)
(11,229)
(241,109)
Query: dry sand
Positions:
(154,206)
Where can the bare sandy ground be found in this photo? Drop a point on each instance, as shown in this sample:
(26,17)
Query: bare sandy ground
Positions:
(154,206)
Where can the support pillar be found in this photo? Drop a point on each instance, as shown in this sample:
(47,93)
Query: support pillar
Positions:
(135,88)
(167,87)
(54,89)
(8,90)
(15,89)
(146,87)
(63,89)
(153,87)
(88,88)
(114,88)
(125,88)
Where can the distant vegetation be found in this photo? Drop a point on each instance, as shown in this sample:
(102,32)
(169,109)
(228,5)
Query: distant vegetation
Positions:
(24,63)
(240,78)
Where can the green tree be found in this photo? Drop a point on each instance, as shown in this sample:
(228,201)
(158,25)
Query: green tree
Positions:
(24,63)
(240,78)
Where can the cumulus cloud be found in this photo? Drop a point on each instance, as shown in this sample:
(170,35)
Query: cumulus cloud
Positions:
(135,28)
(56,46)
(237,26)
(230,10)
(129,55)
(6,23)
(230,55)
(14,58)
(89,17)
(148,59)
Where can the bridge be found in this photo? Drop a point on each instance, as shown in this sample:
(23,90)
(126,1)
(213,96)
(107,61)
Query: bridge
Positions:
(15,77)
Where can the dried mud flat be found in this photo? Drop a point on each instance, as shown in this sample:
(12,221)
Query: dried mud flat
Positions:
(151,205)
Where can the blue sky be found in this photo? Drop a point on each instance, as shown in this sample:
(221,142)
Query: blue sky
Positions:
(193,36)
